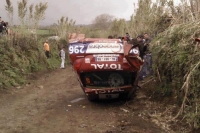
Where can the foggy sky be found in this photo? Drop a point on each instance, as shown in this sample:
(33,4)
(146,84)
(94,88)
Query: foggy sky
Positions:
(82,11)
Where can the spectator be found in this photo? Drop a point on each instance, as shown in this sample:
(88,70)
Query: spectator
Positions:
(62,56)
(1,26)
(147,38)
(127,37)
(147,41)
(149,63)
(138,43)
(122,38)
(141,45)
(148,54)
(143,71)
(47,49)
(5,24)
(110,37)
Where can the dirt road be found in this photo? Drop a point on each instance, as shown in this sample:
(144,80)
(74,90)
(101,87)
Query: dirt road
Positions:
(54,103)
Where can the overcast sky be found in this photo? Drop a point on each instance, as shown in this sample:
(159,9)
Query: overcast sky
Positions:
(82,11)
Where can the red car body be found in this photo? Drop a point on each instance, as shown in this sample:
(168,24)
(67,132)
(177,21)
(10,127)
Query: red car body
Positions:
(106,68)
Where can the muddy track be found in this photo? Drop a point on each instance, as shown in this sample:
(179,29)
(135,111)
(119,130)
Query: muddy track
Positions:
(54,103)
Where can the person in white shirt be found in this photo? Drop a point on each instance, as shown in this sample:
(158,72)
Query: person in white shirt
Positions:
(62,56)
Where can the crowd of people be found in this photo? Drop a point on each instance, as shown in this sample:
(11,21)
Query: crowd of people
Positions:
(143,44)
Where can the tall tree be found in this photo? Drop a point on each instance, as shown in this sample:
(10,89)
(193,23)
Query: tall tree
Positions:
(103,21)
(9,9)
(195,8)
(39,13)
(119,27)
(22,10)
(65,26)
(30,20)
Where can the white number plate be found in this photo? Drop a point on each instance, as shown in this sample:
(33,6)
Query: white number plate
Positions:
(106,58)
(108,96)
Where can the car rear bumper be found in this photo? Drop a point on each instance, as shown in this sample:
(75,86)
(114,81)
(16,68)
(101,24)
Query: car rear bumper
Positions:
(116,90)
(108,93)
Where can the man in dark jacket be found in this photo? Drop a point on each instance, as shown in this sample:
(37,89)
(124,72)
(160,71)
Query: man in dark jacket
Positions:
(148,53)
(147,40)
(1,26)
(127,37)
(138,42)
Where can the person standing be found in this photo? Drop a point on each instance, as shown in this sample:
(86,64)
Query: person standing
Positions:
(127,37)
(143,70)
(148,54)
(139,44)
(147,40)
(149,63)
(1,26)
(47,49)
(62,56)
(5,27)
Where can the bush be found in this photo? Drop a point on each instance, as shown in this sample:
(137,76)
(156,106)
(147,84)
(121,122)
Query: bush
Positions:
(22,55)
(177,59)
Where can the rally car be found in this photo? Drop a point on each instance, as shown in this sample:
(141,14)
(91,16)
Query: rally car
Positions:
(105,68)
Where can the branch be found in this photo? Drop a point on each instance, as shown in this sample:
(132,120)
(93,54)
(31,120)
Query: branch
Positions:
(186,88)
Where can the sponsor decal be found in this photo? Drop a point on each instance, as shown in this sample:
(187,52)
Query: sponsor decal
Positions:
(87,60)
(105,55)
(80,48)
(105,47)
(107,66)
(108,91)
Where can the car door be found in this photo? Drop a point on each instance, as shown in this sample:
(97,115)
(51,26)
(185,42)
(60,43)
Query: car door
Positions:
(132,55)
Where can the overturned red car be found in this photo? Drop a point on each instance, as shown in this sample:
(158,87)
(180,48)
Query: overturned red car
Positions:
(105,68)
